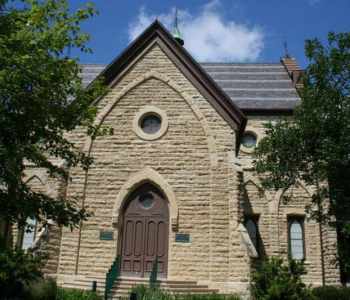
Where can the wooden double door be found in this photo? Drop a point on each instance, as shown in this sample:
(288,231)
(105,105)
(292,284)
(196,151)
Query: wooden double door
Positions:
(145,233)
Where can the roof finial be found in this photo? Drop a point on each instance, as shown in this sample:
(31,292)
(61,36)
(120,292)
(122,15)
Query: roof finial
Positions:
(286,52)
(176,32)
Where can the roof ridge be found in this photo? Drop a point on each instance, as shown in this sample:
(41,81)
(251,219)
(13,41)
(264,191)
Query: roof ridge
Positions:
(240,63)
(201,63)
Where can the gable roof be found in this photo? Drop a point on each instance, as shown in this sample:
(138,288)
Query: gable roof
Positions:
(189,67)
(256,88)
(264,88)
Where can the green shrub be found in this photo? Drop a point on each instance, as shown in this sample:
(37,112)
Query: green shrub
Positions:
(17,269)
(73,294)
(41,290)
(208,297)
(274,280)
(331,292)
(146,293)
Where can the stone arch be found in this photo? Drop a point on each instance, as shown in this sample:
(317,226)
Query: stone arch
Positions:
(33,178)
(257,182)
(281,192)
(173,85)
(253,180)
(146,175)
(277,198)
(276,203)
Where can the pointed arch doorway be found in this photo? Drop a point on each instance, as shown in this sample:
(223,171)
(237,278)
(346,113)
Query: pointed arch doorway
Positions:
(145,232)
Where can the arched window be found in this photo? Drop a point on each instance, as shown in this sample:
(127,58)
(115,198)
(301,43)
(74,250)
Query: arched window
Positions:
(29,234)
(252,228)
(296,238)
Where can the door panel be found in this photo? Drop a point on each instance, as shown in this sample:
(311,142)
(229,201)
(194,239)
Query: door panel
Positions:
(145,233)
(161,235)
(138,249)
(150,238)
(129,229)
(132,252)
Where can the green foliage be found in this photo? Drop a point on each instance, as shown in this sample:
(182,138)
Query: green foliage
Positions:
(315,147)
(146,293)
(331,292)
(207,297)
(17,269)
(275,280)
(42,99)
(41,290)
(46,289)
(319,134)
(73,294)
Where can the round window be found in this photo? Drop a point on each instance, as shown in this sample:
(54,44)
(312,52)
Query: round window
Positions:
(249,140)
(150,123)
(146,200)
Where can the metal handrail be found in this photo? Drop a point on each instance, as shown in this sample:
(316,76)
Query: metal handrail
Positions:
(112,275)
(153,283)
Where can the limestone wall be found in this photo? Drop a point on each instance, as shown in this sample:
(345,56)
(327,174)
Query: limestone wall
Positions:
(194,158)
(40,182)
(274,208)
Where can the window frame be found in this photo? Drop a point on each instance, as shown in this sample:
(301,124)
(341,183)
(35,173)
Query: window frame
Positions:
(143,113)
(255,218)
(253,131)
(143,119)
(23,232)
(254,135)
(301,220)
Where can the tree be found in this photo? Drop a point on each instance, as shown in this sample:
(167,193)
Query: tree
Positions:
(42,98)
(275,280)
(315,146)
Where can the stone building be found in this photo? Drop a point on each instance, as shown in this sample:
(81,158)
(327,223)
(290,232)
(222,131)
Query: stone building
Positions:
(175,179)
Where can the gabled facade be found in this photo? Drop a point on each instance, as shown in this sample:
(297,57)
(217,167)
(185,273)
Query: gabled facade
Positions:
(172,183)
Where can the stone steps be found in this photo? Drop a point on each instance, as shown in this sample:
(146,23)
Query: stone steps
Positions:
(123,286)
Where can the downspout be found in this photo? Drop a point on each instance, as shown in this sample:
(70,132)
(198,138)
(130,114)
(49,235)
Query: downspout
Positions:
(321,239)
(82,206)
(322,255)
(81,225)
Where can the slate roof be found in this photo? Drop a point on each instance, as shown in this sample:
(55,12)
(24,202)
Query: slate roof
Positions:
(252,87)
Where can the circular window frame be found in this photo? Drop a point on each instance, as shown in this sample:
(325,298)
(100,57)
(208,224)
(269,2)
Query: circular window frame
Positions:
(144,112)
(249,149)
(141,203)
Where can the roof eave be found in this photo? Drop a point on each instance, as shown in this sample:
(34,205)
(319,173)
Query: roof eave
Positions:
(268,111)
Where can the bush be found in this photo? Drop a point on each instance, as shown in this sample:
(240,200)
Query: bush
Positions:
(73,294)
(41,290)
(146,293)
(208,297)
(17,269)
(48,290)
(331,292)
(274,280)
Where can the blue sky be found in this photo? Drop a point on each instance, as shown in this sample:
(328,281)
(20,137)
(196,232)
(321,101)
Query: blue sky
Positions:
(219,30)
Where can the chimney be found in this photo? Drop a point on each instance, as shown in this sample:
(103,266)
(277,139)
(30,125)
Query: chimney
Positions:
(293,69)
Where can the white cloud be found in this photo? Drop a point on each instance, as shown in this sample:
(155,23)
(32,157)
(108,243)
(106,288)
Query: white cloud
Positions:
(208,36)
